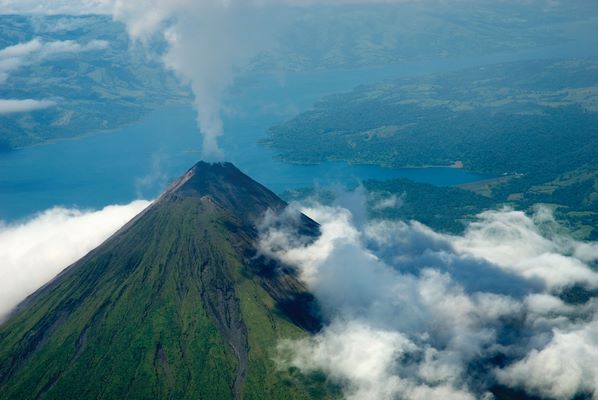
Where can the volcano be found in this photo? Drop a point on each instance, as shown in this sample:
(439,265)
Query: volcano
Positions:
(178,304)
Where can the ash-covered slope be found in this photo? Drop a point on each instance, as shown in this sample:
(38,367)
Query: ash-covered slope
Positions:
(175,305)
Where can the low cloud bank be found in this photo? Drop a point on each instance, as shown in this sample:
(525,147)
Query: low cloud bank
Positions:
(415,314)
(34,251)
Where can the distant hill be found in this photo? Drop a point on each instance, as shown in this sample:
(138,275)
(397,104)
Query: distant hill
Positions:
(175,305)
(533,124)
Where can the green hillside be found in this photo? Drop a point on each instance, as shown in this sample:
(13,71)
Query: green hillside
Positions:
(532,124)
(175,305)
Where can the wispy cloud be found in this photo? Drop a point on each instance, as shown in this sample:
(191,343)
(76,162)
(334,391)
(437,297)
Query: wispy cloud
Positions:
(155,178)
(14,57)
(9,106)
(416,314)
(34,251)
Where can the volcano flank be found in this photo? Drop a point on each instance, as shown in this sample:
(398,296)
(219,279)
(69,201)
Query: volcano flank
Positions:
(178,304)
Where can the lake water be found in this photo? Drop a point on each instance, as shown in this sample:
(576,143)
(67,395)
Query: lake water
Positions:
(138,161)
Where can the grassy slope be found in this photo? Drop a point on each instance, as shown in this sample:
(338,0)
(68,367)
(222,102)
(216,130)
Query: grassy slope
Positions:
(130,321)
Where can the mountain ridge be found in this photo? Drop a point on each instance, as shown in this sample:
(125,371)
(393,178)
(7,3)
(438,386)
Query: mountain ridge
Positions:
(180,294)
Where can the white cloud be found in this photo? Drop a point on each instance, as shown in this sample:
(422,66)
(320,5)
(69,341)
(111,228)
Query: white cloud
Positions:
(515,242)
(9,106)
(34,251)
(562,369)
(367,359)
(420,308)
(155,178)
(34,51)
(70,46)
(13,57)
(384,203)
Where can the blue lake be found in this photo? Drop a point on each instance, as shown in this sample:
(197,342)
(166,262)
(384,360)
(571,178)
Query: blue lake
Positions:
(138,160)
